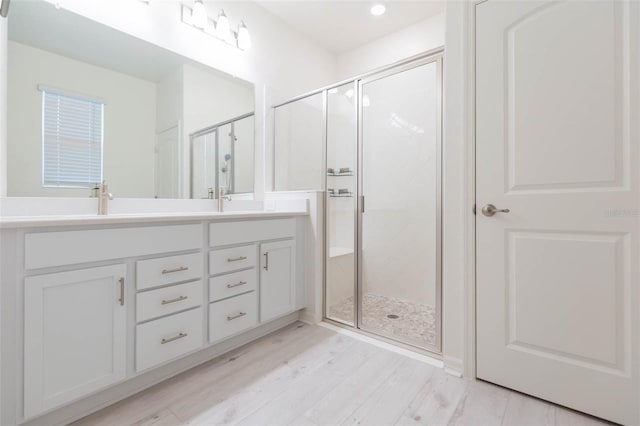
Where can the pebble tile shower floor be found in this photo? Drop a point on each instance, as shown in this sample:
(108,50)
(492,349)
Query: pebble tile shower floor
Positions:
(415,324)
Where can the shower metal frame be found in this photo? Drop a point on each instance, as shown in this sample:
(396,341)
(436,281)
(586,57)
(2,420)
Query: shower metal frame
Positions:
(434,55)
(215,129)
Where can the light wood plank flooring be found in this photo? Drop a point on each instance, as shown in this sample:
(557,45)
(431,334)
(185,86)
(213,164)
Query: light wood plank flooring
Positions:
(310,375)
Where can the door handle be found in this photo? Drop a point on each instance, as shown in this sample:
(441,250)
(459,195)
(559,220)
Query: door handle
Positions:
(489,210)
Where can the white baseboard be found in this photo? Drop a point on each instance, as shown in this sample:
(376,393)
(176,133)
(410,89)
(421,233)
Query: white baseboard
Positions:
(453,366)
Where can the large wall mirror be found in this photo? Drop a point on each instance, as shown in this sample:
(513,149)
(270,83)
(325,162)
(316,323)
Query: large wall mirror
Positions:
(88,103)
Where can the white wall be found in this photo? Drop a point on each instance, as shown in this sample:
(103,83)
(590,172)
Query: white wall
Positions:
(129,122)
(413,40)
(3,106)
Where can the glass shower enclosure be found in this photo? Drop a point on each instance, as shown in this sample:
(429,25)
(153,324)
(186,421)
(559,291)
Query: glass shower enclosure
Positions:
(379,140)
(222,157)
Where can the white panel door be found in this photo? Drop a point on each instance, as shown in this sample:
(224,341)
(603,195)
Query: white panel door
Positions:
(557,107)
(75,335)
(277,279)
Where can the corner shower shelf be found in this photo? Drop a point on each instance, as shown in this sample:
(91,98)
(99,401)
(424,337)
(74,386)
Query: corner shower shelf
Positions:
(347,195)
(339,174)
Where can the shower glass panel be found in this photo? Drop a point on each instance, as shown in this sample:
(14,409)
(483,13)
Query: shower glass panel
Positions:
(399,254)
(299,145)
(222,156)
(203,165)
(226,143)
(243,161)
(341,204)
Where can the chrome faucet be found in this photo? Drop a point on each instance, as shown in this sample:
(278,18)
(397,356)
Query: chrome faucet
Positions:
(221,198)
(103,198)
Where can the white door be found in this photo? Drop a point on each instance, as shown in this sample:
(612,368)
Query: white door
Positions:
(277,279)
(168,163)
(557,116)
(75,335)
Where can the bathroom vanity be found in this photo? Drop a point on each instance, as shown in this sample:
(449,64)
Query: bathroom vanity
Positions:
(98,308)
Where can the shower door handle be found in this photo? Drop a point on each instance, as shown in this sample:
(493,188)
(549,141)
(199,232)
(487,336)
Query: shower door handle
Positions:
(362,203)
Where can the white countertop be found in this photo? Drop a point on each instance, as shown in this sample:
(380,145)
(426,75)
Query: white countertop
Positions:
(59,217)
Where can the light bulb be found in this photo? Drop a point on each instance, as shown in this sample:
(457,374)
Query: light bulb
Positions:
(199,15)
(378,9)
(222,26)
(244,40)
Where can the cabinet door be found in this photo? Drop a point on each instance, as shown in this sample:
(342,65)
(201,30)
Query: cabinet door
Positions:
(75,335)
(277,276)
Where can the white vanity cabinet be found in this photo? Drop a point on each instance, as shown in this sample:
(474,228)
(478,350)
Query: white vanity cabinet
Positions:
(110,309)
(237,303)
(74,335)
(277,279)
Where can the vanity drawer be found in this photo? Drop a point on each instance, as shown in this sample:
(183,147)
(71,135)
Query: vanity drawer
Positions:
(227,233)
(167,338)
(167,270)
(232,284)
(164,301)
(233,315)
(232,259)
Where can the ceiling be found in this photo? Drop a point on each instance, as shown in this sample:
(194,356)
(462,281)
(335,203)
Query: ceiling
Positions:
(341,25)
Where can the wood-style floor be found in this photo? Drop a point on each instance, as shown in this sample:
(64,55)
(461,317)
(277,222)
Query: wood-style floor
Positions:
(310,375)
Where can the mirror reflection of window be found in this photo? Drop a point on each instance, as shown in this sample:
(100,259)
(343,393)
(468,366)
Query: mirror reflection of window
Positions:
(72,136)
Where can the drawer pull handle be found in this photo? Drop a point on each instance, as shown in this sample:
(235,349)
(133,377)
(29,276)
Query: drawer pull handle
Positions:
(235,259)
(121,298)
(171,339)
(232,317)
(171,271)
(266,261)
(236,284)
(177,299)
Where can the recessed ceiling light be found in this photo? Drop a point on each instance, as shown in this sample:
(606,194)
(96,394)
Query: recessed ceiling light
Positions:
(378,9)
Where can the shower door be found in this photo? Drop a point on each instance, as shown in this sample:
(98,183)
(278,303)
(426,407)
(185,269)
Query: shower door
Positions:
(399,284)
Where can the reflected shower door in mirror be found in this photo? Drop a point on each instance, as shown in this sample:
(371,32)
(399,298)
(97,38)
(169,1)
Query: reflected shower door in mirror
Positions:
(341,204)
(87,102)
(298,162)
(215,151)
(400,226)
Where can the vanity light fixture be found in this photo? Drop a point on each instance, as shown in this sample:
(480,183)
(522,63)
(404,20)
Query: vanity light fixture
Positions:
(220,29)
(222,26)
(244,39)
(199,15)
(378,9)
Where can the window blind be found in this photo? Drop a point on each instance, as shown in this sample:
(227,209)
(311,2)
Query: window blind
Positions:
(72,134)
